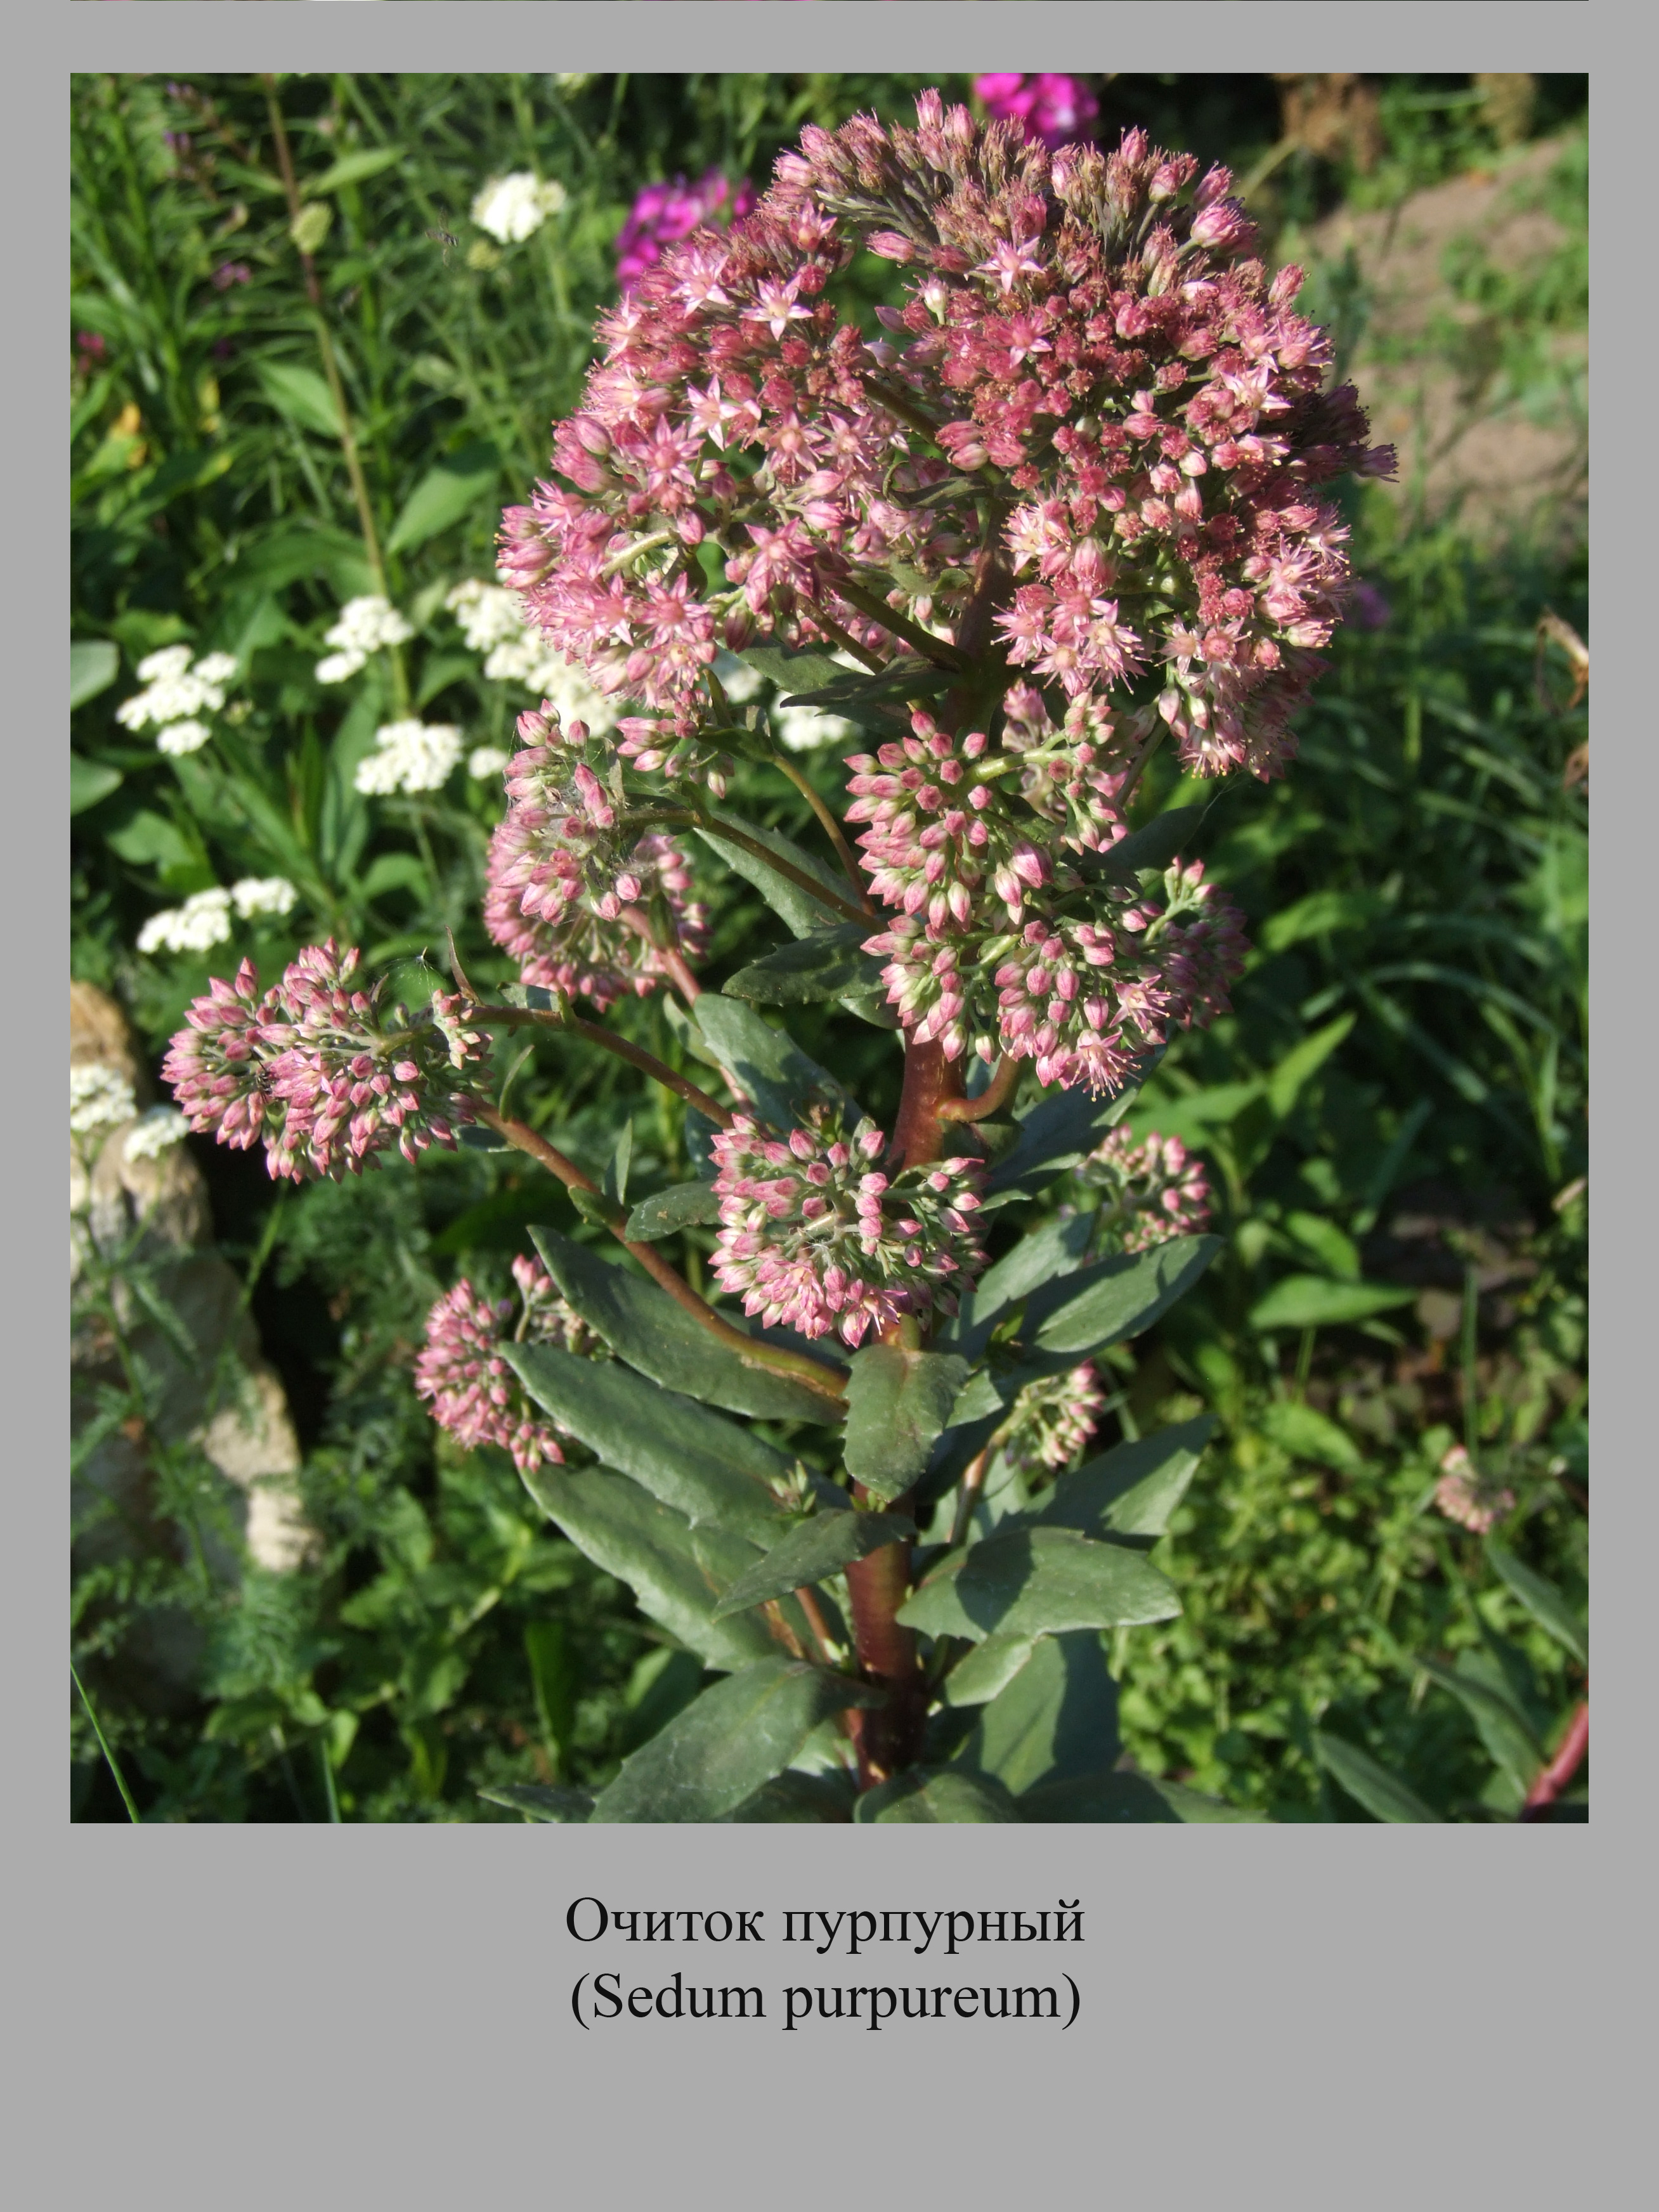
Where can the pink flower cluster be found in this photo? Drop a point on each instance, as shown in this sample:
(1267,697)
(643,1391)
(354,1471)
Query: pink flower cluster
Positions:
(472,1390)
(815,1236)
(1149,1191)
(1088,354)
(1463,1494)
(1084,999)
(1052,1420)
(581,904)
(663,213)
(319,1070)
(1055,109)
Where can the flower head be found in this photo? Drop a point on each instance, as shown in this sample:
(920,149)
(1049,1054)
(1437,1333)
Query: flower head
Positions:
(813,1234)
(410,755)
(514,208)
(1052,1419)
(156,1132)
(1054,108)
(1463,1494)
(1149,1191)
(472,1390)
(366,624)
(663,213)
(176,694)
(319,1070)
(99,1098)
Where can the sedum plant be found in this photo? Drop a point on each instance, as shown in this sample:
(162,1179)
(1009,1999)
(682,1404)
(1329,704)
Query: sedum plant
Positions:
(1072,504)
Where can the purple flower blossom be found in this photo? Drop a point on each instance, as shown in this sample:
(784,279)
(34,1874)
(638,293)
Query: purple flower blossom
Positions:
(814,1234)
(318,1070)
(470,1388)
(1369,607)
(663,213)
(230,272)
(1053,108)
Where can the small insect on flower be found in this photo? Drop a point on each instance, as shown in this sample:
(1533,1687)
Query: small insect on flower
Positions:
(446,238)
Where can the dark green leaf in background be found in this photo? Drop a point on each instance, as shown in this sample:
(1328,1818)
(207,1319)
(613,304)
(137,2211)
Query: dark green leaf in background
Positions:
(1315,1301)
(95,664)
(685,1204)
(1117,1297)
(1542,1600)
(1055,1719)
(825,965)
(1132,1490)
(1382,1794)
(445,495)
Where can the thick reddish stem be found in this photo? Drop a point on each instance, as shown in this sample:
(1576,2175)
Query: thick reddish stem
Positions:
(1562,1768)
(888,1737)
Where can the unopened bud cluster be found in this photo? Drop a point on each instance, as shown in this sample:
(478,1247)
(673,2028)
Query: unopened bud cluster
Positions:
(582,904)
(814,1234)
(320,1071)
(1150,1190)
(470,1388)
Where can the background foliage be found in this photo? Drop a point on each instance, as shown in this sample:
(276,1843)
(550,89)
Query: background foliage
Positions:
(1394,1118)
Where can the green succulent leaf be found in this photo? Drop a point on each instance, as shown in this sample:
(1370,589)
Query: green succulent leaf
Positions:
(715,1755)
(1503,1728)
(1038,1582)
(765,1064)
(538,1801)
(1141,1799)
(703,1466)
(648,1545)
(938,1794)
(798,1798)
(688,1204)
(979,1675)
(791,671)
(1117,1297)
(1053,1135)
(801,913)
(1132,1490)
(818,1546)
(1055,1719)
(897,1405)
(644,1326)
(1383,1795)
(827,964)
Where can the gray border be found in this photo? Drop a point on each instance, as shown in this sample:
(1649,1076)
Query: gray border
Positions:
(1341,2011)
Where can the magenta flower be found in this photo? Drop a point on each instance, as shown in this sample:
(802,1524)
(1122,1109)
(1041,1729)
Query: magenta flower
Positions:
(1151,1191)
(472,1391)
(319,1070)
(664,214)
(1055,109)
(815,1236)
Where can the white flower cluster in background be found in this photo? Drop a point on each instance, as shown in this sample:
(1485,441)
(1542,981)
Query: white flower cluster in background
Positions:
(205,919)
(485,761)
(153,1133)
(799,729)
(513,208)
(492,622)
(178,693)
(99,1098)
(409,756)
(365,625)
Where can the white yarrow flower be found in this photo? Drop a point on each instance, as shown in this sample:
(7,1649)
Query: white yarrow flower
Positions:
(804,729)
(485,761)
(737,679)
(487,615)
(202,922)
(176,692)
(262,895)
(409,756)
(182,736)
(98,1099)
(340,667)
(514,208)
(153,1132)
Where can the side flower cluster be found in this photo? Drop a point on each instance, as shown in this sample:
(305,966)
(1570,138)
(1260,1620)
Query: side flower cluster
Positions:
(815,1236)
(319,1070)
(580,904)
(1149,1191)
(470,1388)
(1052,1420)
